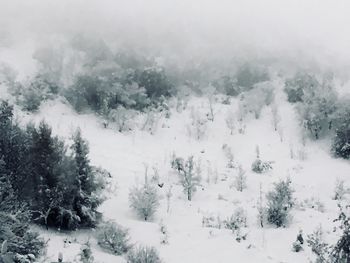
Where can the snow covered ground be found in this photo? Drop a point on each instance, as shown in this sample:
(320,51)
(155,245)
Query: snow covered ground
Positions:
(313,173)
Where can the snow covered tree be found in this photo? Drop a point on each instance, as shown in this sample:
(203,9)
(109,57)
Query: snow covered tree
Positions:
(317,110)
(279,203)
(276,118)
(15,235)
(230,121)
(144,200)
(86,200)
(318,246)
(240,182)
(296,86)
(188,178)
(340,252)
(341,123)
(156,82)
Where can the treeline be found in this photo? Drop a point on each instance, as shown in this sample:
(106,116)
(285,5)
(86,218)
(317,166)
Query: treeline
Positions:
(43,181)
(322,111)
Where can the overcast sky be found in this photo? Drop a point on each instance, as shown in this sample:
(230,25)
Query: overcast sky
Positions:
(317,31)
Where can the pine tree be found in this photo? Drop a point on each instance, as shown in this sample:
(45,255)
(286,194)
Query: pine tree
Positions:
(279,202)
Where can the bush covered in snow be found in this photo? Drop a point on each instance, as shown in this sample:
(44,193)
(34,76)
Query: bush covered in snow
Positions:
(39,89)
(142,254)
(258,166)
(144,200)
(279,203)
(318,246)
(113,238)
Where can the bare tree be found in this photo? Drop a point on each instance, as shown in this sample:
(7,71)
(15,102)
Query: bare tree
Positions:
(230,121)
(276,118)
(240,182)
(188,178)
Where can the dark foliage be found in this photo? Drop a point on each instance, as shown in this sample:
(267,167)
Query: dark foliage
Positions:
(61,190)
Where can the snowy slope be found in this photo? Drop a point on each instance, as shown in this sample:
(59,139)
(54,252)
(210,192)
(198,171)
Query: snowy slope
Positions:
(125,156)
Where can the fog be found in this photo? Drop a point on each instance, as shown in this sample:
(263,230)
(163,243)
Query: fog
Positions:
(304,33)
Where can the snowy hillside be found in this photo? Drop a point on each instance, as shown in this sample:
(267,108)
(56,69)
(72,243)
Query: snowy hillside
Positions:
(158,131)
(312,170)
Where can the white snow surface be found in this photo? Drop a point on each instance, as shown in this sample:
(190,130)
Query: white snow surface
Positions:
(125,156)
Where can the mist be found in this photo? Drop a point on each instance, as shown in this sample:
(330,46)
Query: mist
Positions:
(295,33)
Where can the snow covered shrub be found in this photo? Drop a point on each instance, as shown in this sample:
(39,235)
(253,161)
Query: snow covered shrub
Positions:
(85,254)
(279,203)
(113,237)
(211,221)
(188,178)
(318,246)
(240,182)
(259,166)
(339,190)
(39,89)
(144,200)
(340,252)
(236,221)
(142,254)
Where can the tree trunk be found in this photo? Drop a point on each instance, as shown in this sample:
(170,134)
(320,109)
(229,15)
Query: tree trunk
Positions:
(189,194)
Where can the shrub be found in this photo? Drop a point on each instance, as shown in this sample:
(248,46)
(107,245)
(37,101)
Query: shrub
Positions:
(113,238)
(86,253)
(237,220)
(316,242)
(259,166)
(279,202)
(144,200)
(339,190)
(143,255)
(39,89)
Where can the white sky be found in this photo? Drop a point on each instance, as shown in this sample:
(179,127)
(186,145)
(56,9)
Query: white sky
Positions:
(312,30)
